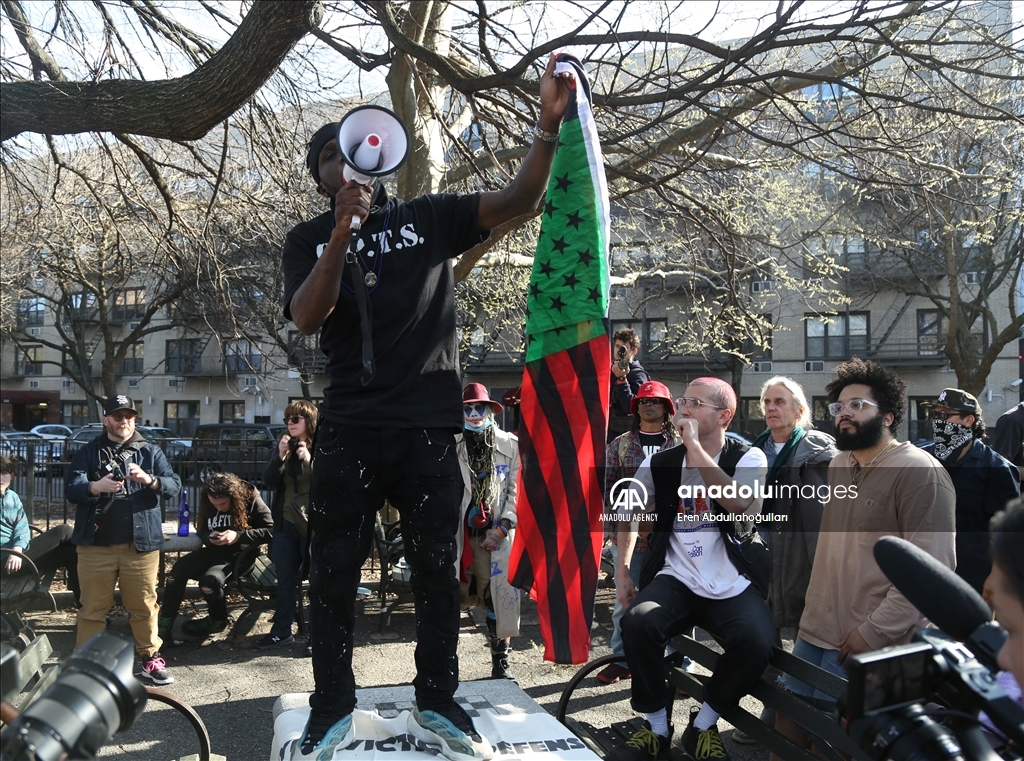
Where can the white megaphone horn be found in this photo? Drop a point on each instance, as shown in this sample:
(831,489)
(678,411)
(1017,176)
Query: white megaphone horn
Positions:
(374,143)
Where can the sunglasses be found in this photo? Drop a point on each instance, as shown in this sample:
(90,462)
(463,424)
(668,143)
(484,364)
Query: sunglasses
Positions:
(854,406)
(649,402)
(294,419)
(943,415)
(120,417)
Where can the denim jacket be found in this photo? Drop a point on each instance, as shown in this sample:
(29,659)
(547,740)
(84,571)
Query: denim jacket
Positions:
(147,516)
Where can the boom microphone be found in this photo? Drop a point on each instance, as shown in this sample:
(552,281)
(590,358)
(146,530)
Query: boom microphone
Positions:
(944,598)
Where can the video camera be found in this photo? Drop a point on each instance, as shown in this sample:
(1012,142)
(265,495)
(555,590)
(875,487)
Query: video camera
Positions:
(884,709)
(621,359)
(95,697)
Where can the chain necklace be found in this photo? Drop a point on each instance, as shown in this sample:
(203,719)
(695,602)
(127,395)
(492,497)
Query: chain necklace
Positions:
(371,279)
(858,469)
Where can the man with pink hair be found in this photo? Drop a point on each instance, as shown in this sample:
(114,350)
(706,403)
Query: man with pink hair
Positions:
(688,576)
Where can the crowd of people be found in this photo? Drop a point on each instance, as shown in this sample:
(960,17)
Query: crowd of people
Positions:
(397,427)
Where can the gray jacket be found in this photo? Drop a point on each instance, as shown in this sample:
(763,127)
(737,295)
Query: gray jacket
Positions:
(794,540)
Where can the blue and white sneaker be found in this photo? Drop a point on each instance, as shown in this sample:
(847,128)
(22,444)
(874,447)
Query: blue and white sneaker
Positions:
(452,729)
(322,736)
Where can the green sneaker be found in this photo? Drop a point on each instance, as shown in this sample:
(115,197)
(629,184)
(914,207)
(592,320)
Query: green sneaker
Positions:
(201,628)
(452,729)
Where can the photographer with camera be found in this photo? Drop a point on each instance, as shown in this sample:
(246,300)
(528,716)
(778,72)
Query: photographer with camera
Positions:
(627,377)
(116,481)
(289,474)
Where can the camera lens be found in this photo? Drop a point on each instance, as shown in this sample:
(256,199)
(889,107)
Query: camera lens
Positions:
(95,696)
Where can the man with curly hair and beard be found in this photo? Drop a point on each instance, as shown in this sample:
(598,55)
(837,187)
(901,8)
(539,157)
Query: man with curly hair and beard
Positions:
(878,486)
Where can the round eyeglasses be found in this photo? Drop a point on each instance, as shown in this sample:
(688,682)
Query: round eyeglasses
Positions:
(854,406)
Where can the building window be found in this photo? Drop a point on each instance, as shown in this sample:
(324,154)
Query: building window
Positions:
(931,331)
(132,364)
(75,413)
(823,421)
(28,361)
(181,417)
(232,412)
(79,306)
(183,356)
(749,420)
(919,423)
(31,312)
(655,339)
(242,357)
(129,304)
(837,336)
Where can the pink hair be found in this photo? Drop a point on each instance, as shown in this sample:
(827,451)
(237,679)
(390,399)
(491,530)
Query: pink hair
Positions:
(721,392)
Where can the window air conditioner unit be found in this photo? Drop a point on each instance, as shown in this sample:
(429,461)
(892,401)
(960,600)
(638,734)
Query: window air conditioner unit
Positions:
(132,325)
(133,383)
(35,331)
(814,367)
(67,384)
(250,382)
(761,286)
(37,282)
(172,382)
(972,278)
(33,384)
(761,367)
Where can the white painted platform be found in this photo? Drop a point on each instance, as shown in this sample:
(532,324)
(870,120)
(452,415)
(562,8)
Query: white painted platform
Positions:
(511,720)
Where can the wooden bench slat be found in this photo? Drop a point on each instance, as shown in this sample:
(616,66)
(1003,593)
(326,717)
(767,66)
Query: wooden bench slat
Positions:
(47,676)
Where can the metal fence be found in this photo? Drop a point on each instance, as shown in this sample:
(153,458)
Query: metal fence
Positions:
(41,468)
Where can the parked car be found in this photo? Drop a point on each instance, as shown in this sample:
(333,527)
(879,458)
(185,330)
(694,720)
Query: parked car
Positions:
(53,431)
(174,447)
(22,446)
(240,448)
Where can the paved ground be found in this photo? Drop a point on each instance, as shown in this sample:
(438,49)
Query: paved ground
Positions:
(233,686)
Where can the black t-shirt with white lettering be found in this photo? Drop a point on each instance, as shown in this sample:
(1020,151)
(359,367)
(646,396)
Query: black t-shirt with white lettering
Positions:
(417,382)
(651,442)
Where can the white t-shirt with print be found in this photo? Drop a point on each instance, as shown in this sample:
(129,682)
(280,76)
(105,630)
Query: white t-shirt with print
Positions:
(697,555)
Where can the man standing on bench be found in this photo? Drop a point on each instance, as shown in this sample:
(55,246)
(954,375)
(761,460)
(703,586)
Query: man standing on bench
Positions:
(878,487)
(689,579)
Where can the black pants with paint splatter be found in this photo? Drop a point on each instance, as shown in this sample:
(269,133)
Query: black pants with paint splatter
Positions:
(356,469)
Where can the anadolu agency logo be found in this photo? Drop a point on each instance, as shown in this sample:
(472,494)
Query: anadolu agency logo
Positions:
(629,497)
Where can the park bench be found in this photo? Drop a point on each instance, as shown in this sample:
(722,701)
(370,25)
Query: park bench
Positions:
(607,741)
(255,577)
(36,675)
(22,591)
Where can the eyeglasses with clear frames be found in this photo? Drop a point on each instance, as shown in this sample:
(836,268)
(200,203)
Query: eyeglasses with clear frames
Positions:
(944,415)
(692,403)
(854,406)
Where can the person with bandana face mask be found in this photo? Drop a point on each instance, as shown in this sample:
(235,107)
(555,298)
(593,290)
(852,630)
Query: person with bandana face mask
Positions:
(984,480)
(489,460)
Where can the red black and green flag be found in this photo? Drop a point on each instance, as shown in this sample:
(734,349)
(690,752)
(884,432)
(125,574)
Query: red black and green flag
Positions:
(564,407)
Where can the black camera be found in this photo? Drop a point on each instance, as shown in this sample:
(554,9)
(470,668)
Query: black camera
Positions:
(885,710)
(95,697)
(620,358)
(293,444)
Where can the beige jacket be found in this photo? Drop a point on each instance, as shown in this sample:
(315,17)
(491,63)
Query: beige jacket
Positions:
(905,493)
(506,460)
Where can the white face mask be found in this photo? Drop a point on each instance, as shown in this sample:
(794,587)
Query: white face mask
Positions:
(477,416)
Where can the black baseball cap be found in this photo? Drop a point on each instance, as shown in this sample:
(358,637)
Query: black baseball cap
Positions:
(320,138)
(959,400)
(118,402)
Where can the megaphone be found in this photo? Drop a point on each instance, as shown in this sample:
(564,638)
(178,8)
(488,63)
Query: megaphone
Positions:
(374,143)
